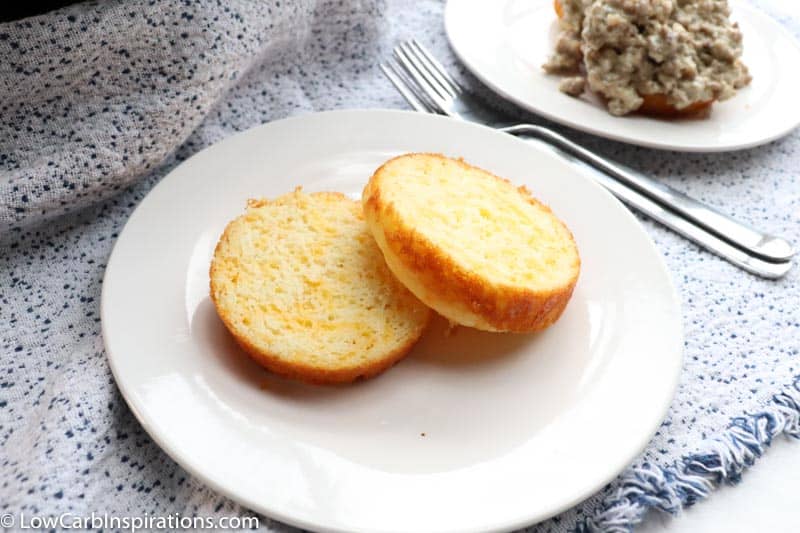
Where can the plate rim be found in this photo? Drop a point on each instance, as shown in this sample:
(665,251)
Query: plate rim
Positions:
(147,419)
(600,132)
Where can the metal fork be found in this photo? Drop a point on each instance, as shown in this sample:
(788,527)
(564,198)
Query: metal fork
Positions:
(427,87)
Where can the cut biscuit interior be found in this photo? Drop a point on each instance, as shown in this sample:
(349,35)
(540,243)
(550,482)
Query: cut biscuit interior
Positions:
(484,225)
(303,287)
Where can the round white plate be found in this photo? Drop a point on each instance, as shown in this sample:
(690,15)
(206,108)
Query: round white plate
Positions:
(505,43)
(471,432)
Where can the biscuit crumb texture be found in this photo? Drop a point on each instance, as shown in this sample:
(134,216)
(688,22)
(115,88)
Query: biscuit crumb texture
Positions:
(476,249)
(304,289)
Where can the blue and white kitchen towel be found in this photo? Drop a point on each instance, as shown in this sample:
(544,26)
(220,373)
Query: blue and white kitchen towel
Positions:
(99,100)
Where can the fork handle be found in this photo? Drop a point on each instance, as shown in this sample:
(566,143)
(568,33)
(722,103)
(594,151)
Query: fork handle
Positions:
(766,247)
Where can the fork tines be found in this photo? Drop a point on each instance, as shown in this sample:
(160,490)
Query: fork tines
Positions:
(420,78)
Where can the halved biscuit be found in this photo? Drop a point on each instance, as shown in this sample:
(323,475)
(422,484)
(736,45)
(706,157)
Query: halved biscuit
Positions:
(304,289)
(476,249)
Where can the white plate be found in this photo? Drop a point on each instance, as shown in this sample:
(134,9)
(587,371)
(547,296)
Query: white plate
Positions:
(505,42)
(472,432)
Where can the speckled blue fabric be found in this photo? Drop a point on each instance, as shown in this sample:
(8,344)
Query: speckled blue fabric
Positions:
(98,101)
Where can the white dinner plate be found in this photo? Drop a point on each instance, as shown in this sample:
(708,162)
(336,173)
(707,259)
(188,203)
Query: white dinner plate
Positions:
(506,42)
(471,432)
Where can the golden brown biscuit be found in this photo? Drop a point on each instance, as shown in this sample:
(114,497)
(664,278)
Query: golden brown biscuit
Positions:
(304,289)
(476,249)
